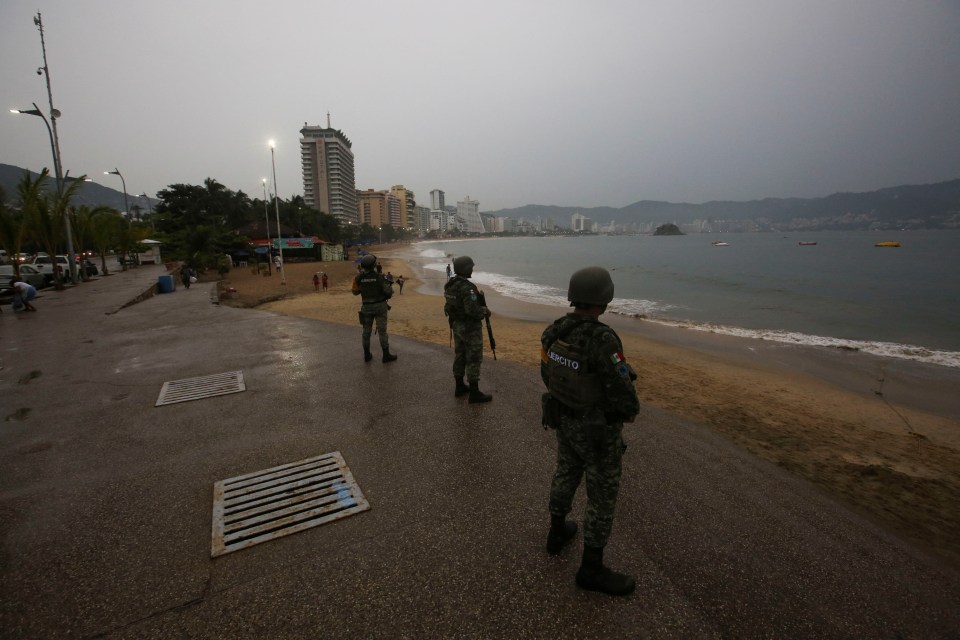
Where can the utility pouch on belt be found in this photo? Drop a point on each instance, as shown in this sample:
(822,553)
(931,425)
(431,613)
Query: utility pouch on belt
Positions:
(550,411)
(360,315)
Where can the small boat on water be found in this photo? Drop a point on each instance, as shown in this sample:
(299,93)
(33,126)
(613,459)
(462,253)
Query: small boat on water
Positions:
(718,243)
(807,244)
(887,244)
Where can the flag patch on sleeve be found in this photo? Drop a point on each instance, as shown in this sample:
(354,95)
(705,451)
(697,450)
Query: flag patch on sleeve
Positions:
(616,358)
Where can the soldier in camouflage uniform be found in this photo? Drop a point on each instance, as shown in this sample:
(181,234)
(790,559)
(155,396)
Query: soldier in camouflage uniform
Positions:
(590,395)
(466,310)
(374,292)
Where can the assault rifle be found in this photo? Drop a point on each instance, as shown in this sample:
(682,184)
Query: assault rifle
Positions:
(493,343)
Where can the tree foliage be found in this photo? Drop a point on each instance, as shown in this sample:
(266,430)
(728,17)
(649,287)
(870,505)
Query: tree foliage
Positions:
(46,213)
(198,223)
(13,229)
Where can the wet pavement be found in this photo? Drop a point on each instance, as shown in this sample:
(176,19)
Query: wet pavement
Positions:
(106,500)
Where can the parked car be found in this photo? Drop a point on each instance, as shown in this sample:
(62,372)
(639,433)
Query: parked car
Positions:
(29,274)
(46,265)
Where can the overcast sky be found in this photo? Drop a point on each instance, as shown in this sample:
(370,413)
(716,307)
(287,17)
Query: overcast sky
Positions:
(509,102)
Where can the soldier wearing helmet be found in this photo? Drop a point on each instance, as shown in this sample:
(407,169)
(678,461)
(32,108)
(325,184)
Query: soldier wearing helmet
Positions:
(374,291)
(466,308)
(590,394)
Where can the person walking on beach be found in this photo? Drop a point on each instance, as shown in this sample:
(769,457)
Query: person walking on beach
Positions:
(374,291)
(590,394)
(400,282)
(316,282)
(324,279)
(23,293)
(448,271)
(466,309)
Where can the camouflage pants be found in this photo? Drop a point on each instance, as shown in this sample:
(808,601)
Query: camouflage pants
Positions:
(467,349)
(597,451)
(368,313)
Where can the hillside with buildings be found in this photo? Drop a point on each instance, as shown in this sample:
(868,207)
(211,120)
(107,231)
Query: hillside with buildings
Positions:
(931,206)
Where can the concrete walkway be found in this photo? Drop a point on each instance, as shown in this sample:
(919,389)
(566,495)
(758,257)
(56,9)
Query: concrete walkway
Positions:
(106,500)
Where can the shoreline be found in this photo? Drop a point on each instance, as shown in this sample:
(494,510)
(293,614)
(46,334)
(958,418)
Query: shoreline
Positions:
(882,436)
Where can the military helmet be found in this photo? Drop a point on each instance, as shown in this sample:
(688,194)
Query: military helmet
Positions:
(368,261)
(591,285)
(463,266)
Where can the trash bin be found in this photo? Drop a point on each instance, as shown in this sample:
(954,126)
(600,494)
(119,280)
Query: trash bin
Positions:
(165,284)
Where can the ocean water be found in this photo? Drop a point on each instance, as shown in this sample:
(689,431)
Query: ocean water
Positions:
(842,292)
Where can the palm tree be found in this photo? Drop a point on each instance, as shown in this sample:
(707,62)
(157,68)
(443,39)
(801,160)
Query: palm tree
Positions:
(128,237)
(13,227)
(104,232)
(47,214)
(82,220)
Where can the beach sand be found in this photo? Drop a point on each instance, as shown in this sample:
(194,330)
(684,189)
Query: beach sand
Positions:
(882,436)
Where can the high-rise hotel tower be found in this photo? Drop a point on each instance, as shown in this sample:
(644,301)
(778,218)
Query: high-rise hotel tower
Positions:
(328,182)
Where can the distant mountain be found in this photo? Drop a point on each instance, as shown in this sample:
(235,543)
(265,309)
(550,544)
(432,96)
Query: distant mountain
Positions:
(91,193)
(931,206)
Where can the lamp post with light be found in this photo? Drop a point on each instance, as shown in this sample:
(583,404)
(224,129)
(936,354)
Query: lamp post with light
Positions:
(57,172)
(55,140)
(126,204)
(276,201)
(266,220)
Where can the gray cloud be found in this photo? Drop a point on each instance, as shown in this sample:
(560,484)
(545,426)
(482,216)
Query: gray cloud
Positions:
(507,102)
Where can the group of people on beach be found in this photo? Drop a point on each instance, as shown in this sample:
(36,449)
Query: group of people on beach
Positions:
(590,395)
(320,279)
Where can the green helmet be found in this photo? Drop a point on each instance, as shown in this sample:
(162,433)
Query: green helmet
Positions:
(591,285)
(463,266)
(368,261)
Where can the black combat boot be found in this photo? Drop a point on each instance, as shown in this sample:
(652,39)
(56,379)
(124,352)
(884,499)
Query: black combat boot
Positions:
(387,356)
(461,389)
(367,356)
(476,395)
(561,532)
(593,576)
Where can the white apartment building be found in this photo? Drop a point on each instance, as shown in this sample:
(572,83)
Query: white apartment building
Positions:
(326,157)
(468,211)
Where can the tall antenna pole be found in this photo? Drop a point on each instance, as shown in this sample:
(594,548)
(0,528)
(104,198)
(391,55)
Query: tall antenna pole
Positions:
(328,119)
(57,161)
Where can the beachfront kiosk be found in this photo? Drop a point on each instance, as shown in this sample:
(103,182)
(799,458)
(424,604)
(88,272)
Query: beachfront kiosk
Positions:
(150,253)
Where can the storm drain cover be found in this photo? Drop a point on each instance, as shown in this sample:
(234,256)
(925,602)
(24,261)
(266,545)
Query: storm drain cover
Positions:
(272,503)
(219,384)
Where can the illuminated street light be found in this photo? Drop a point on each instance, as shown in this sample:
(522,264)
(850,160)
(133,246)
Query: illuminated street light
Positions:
(57,172)
(276,200)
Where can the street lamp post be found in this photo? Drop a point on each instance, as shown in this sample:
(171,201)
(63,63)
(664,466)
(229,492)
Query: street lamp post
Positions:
(116,172)
(276,201)
(59,177)
(126,204)
(266,219)
(55,141)
(381,234)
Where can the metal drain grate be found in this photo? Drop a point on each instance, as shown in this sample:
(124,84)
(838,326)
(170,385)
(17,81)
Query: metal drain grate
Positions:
(272,503)
(219,384)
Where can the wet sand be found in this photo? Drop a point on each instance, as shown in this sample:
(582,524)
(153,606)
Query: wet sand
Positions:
(881,435)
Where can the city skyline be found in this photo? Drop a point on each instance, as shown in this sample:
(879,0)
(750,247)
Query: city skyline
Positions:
(508,102)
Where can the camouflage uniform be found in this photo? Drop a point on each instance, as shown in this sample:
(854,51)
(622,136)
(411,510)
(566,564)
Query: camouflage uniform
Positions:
(590,441)
(466,313)
(374,291)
